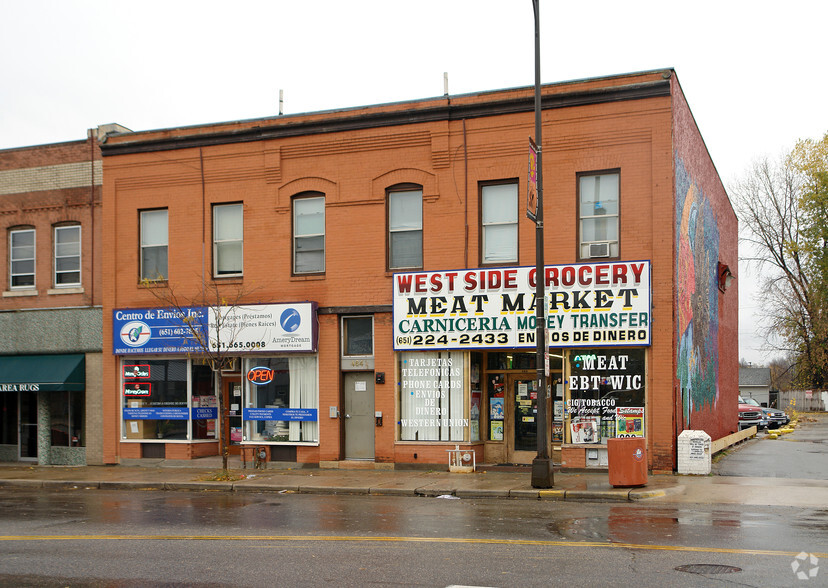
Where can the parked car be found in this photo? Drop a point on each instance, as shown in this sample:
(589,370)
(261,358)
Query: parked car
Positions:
(750,415)
(775,417)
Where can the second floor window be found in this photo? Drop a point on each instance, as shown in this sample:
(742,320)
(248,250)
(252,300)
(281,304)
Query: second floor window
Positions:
(154,245)
(67,256)
(598,215)
(228,240)
(309,235)
(405,229)
(499,223)
(22,258)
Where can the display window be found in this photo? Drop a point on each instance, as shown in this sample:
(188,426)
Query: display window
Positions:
(606,392)
(432,396)
(168,400)
(66,411)
(281,400)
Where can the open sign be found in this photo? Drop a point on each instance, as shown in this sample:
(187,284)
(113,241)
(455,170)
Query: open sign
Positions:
(260,375)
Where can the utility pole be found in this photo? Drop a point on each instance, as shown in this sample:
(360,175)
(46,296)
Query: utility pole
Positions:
(542,475)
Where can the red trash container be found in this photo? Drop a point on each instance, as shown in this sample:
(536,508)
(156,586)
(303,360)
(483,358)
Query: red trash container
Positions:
(627,460)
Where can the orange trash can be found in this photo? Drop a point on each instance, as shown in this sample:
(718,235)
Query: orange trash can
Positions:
(627,461)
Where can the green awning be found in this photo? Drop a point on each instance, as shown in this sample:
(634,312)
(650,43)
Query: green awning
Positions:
(42,373)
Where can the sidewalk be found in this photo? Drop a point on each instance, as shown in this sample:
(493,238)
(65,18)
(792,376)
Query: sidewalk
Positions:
(150,474)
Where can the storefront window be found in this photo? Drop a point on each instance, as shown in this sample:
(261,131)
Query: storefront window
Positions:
(66,417)
(205,403)
(8,418)
(282,398)
(511,361)
(606,394)
(476,420)
(431,396)
(496,385)
(156,399)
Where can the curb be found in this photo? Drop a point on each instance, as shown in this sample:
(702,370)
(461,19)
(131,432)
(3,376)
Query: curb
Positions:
(615,494)
(131,486)
(620,495)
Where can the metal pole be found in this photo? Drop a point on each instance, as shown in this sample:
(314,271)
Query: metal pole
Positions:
(542,476)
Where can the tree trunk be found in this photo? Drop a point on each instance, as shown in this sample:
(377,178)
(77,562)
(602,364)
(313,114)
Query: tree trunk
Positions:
(220,425)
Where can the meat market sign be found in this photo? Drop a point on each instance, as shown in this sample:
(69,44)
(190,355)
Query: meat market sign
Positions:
(586,305)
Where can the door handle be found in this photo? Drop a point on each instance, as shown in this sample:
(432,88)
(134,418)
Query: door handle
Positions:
(347,416)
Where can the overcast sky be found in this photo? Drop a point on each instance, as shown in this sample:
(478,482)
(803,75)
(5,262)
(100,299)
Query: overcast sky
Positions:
(754,73)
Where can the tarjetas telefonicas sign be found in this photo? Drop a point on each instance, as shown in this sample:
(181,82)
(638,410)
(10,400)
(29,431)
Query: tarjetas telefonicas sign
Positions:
(587,304)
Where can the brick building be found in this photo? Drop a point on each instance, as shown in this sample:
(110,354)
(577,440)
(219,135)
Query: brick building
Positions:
(50,309)
(375,280)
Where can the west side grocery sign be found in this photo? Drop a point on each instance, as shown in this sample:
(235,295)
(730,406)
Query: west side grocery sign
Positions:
(586,305)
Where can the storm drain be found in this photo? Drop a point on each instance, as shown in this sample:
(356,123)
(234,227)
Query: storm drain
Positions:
(708,569)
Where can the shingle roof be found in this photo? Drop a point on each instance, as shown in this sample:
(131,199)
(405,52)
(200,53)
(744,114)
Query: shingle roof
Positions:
(754,376)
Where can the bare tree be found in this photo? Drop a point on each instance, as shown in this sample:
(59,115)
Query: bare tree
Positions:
(783,372)
(773,206)
(214,335)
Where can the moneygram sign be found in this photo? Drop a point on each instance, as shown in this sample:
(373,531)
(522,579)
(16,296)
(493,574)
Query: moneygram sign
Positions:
(590,304)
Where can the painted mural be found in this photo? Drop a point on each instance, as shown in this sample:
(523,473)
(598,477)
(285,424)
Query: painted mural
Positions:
(697,295)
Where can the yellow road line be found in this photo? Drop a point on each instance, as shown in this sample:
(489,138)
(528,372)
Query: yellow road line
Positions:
(259,538)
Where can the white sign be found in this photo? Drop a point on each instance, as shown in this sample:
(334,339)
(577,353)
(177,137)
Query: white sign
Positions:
(590,304)
(264,327)
(697,446)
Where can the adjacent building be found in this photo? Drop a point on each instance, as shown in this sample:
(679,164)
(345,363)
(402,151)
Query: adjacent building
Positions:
(369,275)
(50,309)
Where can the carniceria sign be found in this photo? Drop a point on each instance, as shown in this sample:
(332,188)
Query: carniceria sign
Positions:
(586,305)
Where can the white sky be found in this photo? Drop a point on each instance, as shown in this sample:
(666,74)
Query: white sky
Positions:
(754,73)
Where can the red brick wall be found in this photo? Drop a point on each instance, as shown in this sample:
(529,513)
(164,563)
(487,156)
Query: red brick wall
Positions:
(28,199)
(353,168)
(707,381)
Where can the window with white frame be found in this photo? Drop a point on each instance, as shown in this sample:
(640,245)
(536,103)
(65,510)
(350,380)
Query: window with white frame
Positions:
(228,239)
(284,408)
(309,234)
(499,223)
(598,197)
(154,236)
(432,405)
(67,256)
(405,228)
(22,258)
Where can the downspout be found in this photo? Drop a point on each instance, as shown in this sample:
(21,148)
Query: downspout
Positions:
(466,196)
(203,229)
(92,213)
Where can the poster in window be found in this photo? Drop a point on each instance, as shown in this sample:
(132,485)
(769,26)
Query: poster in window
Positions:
(496,431)
(629,421)
(585,429)
(602,382)
(496,409)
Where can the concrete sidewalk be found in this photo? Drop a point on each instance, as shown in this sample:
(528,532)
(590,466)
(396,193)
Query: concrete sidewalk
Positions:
(199,474)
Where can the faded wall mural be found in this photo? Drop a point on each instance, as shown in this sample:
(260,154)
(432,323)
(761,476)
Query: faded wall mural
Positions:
(697,295)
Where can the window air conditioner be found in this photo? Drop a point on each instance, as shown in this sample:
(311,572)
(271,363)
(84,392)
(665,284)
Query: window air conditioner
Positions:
(599,250)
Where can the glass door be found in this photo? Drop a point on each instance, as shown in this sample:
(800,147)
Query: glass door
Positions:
(233,415)
(523,395)
(526,413)
(28,426)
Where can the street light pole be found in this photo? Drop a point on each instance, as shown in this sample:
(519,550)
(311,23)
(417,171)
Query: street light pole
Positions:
(542,476)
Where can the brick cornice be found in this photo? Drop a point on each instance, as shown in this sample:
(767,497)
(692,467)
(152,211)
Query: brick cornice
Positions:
(444,111)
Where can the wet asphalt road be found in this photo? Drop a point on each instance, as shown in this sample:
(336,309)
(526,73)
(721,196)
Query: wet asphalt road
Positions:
(156,538)
(127,539)
(801,454)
